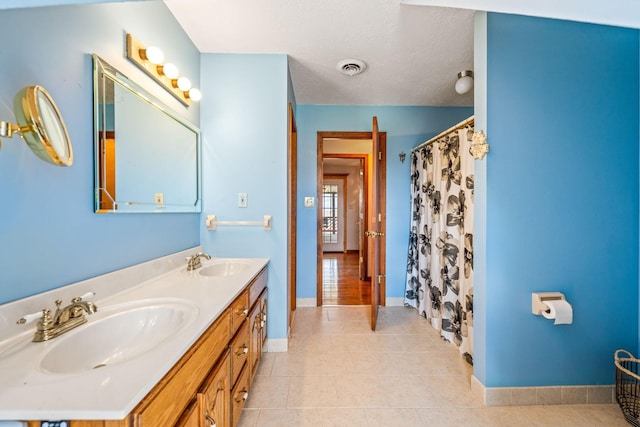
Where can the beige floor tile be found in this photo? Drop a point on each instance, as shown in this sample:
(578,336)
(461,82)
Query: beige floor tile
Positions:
(300,343)
(393,417)
(361,391)
(311,364)
(601,415)
(268,392)
(266,364)
(450,417)
(378,343)
(332,417)
(348,314)
(348,343)
(504,416)
(338,372)
(249,418)
(312,392)
(420,342)
(553,415)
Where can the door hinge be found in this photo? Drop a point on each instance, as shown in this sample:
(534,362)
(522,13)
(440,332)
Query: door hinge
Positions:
(361,260)
(379,217)
(380,279)
(379,155)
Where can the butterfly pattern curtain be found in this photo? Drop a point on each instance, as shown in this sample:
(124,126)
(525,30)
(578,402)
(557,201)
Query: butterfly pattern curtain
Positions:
(440,257)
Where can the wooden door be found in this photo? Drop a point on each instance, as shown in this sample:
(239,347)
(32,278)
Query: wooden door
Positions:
(376,229)
(292,172)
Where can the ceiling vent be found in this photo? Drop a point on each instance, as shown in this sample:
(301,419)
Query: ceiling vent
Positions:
(351,67)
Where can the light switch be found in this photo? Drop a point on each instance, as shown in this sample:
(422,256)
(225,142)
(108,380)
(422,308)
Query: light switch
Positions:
(309,202)
(242,200)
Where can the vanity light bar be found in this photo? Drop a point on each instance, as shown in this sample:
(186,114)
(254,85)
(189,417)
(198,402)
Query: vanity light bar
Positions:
(164,74)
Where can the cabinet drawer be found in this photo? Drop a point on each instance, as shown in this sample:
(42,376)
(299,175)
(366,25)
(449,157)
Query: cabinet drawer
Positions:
(239,311)
(239,396)
(239,351)
(164,404)
(258,284)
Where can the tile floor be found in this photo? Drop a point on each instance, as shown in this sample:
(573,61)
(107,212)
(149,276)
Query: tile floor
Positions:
(339,373)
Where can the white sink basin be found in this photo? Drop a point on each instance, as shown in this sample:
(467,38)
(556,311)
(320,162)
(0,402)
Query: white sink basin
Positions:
(124,335)
(224,268)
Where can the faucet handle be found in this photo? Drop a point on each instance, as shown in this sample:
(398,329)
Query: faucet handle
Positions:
(28,318)
(85,296)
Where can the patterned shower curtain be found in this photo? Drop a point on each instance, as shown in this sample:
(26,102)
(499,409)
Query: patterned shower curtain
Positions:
(440,258)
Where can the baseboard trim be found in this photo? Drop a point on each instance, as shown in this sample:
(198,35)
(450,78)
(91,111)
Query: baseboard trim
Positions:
(279,345)
(395,301)
(551,395)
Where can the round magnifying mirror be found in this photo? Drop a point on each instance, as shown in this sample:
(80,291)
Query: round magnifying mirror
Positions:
(42,127)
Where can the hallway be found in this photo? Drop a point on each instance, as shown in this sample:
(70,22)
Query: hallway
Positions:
(340,282)
(339,373)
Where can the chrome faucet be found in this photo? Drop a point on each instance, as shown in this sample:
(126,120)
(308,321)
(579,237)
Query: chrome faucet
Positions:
(193,262)
(63,320)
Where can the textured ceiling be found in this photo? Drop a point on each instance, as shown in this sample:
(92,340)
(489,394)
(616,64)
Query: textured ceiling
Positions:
(413,53)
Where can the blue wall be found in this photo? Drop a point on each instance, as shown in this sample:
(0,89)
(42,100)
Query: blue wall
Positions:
(406,127)
(49,234)
(561,199)
(244,128)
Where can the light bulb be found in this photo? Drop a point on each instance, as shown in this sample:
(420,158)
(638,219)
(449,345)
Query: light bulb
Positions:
(184,84)
(169,70)
(465,82)
(152,54)
(194,94)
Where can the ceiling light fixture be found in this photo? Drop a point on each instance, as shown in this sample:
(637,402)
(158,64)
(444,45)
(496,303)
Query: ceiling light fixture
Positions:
(150,60)
(465,82)
(351,67)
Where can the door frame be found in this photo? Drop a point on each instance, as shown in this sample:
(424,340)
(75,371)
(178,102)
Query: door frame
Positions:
(321,136)
(292,202)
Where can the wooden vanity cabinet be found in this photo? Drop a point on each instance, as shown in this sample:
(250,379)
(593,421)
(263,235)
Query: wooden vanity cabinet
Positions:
(210,384)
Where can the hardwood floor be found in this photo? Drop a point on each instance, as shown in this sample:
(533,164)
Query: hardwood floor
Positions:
(340,282)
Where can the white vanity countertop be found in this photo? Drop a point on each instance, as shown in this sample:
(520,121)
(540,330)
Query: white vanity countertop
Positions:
(29,392)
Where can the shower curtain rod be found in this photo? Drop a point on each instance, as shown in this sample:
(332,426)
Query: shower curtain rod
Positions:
(441,134)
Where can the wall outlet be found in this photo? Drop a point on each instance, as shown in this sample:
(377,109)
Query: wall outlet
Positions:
(159,198)
(242,200)
(309,202)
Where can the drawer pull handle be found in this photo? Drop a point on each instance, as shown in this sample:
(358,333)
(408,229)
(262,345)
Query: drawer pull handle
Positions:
(243,312)
(244,395)
(244,350)
(210,419)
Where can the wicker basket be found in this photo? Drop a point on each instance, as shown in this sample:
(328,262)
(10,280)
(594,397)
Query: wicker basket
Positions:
(628,386)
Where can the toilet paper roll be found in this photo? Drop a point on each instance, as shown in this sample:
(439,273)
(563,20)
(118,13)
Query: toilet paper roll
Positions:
(560,310)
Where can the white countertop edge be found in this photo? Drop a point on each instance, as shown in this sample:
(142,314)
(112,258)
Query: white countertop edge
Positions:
(85,396)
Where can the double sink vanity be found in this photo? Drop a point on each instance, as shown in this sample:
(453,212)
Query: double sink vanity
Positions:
(164,343)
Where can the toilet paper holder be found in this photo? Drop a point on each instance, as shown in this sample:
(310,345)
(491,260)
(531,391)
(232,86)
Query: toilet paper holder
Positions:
(538,301)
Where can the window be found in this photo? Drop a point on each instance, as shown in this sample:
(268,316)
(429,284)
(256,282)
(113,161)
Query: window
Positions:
(330,213)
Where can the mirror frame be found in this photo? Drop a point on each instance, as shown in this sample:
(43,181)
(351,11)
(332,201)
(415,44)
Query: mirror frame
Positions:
(103,70)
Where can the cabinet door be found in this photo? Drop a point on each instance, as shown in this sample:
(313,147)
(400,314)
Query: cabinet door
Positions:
(255,332)
(190,417)
(263,317)
(214,398)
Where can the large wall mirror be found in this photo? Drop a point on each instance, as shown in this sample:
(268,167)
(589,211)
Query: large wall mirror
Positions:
(147,158)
